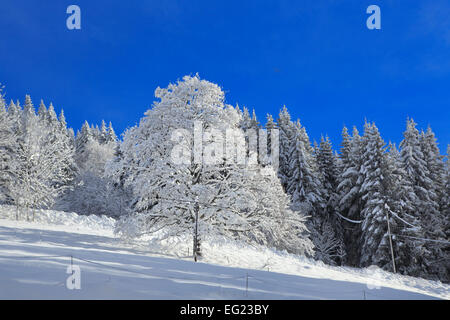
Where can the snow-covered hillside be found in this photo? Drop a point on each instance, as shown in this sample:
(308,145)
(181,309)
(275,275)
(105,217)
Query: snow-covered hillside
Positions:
(34,257)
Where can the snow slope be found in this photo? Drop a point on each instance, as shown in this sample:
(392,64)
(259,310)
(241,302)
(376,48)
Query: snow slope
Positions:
(34,257)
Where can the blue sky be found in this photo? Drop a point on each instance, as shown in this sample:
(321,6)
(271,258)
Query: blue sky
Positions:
(315,56)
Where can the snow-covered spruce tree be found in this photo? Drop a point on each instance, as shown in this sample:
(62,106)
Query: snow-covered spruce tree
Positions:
(81,140)
(377,213)
(435,227)
(328,170)
(250,126)
(103,132)
(61,135)
(446,209)
(327,165)
(349,195)
(298,170)
(417,171)
(246,121)
(234,200)
(286,137)
(416,167)
(408,252)
(300,175)
(303,183)
(435,167)
(42,111)
(272,145)
(14,114)
(111,134)
(388,204)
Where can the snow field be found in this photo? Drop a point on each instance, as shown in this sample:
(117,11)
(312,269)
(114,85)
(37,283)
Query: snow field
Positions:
(34,256)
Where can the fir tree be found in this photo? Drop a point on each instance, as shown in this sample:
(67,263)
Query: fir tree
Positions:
(349,194)
(42,111)
(415,153)
(376,235)
(111,136)
(328,170)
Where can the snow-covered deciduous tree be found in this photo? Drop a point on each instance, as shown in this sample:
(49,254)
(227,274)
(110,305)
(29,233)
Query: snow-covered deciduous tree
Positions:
(42,163)
(7,145)
(235,200)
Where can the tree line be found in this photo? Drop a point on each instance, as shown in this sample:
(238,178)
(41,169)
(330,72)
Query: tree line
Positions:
(368,203)
(44,165)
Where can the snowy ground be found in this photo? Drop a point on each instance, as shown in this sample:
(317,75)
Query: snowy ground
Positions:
(34,257)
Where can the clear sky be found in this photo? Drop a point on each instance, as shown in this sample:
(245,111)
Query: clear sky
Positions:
(317,57)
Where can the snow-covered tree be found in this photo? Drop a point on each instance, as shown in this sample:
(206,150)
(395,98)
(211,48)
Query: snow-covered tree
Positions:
(378,222)
(446,208)
(272,141)
(302,180)
(435,168)
(435,227)
(304,183)
(327,165)
(14,112)
(286,137)
(297,164)
(103,132)
(415,166)
(349,195)
(417,153)
(234,200)
(386,201)
(93,192)
(7,145)
(408,252)
(41,163)
(51,115)
(111,134)
(329,172)
(42,111)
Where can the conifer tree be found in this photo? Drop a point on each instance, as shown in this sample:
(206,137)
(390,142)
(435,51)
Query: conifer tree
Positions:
(42,111)
(416,153)
(407,251)
(328,169)
(111,136)
(376,239)
(349,195)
